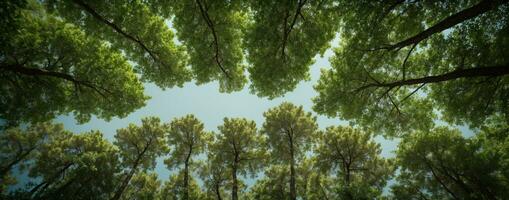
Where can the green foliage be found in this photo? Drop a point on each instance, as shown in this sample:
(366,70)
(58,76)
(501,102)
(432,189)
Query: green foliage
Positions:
(140,145)
(82,166)
(400,68)
(288,127)
(282,40)
(186,138)
(273,185)
(214,47)
(289,130)
(238,147)
(18,146)
(442,163)
(50,67)
(361,172)
(140,34)
(378,48)
(143,186)
(173,189)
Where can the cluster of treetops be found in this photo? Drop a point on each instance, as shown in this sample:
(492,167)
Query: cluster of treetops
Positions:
(406,69)
(289,155)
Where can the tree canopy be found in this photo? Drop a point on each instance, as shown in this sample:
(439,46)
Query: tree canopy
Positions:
(415,71)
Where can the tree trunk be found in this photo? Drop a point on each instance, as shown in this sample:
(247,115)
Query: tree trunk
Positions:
(235,186)
(124,184)
(186,176)
(218,192)
(293,190)
(347,182)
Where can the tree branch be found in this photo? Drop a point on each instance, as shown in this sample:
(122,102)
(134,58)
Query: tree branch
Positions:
(210,24)
(17,68)
(499,70)
(287,32)
(116,28)
(464,15)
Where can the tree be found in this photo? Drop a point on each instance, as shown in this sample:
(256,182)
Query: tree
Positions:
(78,166)
(139,147)
(402,61)
(143,186)
(238,147)
(289,130)
(188,139)
(49,67)
(282,40)
(356,159)
(443,164)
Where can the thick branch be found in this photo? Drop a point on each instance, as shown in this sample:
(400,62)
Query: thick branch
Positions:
(115,27)
(287,32)
(41,72)
(210,24)
(469,13)
(493,71)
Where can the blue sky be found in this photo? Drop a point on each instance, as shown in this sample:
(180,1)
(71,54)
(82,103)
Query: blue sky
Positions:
(211,106)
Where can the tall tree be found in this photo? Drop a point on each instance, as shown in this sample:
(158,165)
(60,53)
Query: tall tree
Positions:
(239,148)
(49,67)
(443,164)
(139,147)
(187,139)
(402,61)
(356,160)
(282,40)
(289,130)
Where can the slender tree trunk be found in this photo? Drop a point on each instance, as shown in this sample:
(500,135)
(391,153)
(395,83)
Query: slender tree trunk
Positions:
(186,179)
(347,182)
(186,173)
(125,182)
(218,192)
(293,190)
(235,186)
